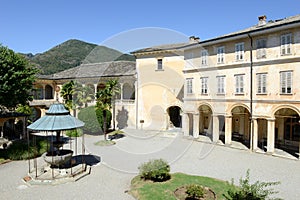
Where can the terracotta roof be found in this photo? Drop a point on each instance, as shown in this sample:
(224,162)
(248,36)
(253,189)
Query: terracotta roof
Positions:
(105,69)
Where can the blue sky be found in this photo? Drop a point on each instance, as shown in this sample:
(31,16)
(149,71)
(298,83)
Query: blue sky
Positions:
(36,26)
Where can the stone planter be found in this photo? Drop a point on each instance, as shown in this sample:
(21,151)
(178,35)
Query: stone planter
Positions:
(58,158)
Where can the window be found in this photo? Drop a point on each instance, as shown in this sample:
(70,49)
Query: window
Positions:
(261,83)
(239,51)
(261,45)
(285,44)
(204,87)
(286,82)
(239,84)
(220,54)
(221,84)
(189,57)
(159,64)
(204,55)
(189,86)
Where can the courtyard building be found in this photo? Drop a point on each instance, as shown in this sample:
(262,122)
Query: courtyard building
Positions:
(243,87)
(48,87)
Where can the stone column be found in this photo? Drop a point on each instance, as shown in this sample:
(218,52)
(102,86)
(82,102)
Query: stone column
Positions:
(196,125)
(95,90)
(185,124)
(215,131)
(228,129)
(167,121)
(121,91)
(271,136)
(44,92)
(254,134)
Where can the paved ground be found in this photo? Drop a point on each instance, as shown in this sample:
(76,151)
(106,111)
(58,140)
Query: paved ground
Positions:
(110,178)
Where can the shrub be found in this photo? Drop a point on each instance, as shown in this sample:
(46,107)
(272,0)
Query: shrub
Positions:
(74,133)
(256,191)
(155,170)
(93,119)
(195,191)
(18,150)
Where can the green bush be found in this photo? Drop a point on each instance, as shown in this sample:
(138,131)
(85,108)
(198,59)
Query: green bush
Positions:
(256,191)
(155,170)
(93,119)
(74,133)
(18,150)
(195,191)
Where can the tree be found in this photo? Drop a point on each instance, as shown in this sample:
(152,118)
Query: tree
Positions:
(104,99)
(76,95)
(16,79)
(66,92)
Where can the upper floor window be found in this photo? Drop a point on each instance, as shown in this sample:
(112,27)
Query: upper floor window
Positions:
(261,45)
(189,85)
(239,84)
(204,57)
(261,83)
(286,82)
(204,87)
(221,84)
(159,64)
(285,44)
(189,57)
(220,54)
(239,51)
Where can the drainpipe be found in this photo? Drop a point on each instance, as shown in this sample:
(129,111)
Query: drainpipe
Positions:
(251,93)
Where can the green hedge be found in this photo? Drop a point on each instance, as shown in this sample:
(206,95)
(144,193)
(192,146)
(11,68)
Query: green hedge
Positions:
(93,119)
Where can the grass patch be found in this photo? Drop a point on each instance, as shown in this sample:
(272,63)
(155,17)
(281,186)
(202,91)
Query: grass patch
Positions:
(74,133)
(105,143)
(148,190)
(2,160)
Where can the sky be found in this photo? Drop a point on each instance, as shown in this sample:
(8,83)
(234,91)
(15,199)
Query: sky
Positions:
(35,26)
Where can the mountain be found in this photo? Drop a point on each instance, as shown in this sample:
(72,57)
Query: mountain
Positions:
(72,53)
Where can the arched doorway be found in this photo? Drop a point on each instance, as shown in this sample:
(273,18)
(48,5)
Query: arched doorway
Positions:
(205,120)
(128,92)
(175,116)
(48,92)
(287,131)
(241,125)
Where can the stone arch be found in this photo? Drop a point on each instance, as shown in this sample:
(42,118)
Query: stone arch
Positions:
(287,129)
(205,119)
(241,124)
(128,92)
(292,107)
(230,108)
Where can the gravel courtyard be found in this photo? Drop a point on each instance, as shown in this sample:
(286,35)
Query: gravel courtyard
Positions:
(118,164)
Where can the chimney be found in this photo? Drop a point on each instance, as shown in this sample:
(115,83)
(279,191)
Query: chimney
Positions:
(262,20)
(194,39)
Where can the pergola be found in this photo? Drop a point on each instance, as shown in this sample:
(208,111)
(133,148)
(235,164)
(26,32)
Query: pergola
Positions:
(56,120)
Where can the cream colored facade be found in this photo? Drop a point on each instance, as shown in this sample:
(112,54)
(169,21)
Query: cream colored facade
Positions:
(239,87)
(160,88)
(243,92)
